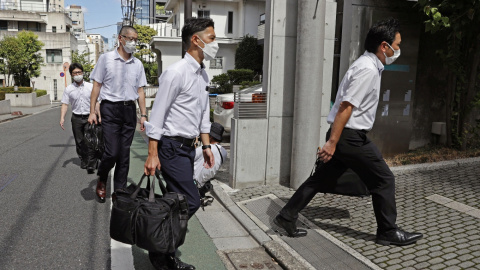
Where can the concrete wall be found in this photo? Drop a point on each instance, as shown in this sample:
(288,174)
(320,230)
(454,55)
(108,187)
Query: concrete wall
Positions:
(5,107)
(27,100)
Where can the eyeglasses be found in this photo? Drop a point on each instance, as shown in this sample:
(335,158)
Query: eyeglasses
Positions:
(77,73)
(130,38)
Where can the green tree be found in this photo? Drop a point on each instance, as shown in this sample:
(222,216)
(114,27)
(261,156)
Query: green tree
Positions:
(21,57)
(249,55)
(145,54)
(11,57)
(459,21)
(82,59)
(31,58)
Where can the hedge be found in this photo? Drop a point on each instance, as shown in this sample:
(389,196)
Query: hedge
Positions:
(10,89)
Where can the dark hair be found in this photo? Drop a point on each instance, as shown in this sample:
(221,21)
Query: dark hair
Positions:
(127,28)
(192,26)
(74,66)
(381,31)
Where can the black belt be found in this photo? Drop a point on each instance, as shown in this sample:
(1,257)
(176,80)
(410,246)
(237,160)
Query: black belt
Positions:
(81,115)
(184,141)
(126,103)
(361,130)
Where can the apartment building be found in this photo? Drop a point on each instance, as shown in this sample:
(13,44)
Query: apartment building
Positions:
(233,20)
(48,20)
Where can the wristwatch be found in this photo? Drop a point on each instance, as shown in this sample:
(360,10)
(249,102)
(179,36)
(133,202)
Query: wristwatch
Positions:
(144,115)
(206,146)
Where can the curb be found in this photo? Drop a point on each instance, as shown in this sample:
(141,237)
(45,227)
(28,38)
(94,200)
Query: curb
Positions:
(435,165)
(275,249)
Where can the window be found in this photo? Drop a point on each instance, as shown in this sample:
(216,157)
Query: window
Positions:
(54,56)
(74,22)
(204,14)
(54,29)
(230,22)
(3,25)
(216,63)
(29,26)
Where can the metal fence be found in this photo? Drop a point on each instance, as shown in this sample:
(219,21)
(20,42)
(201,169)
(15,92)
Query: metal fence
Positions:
(22,6)
(248,105)
(150,91)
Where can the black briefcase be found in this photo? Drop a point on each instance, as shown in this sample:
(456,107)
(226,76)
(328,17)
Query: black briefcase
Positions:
(349,184)
(157,223)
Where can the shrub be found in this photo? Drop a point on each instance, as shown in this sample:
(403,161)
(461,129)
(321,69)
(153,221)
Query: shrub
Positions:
(2,95)
(246,84)
(223,83)
(240,75)
(41,92)
(11,89)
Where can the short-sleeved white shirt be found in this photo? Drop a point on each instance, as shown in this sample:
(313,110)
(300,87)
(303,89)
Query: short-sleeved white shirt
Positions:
(78,95)
(360,87)
(120,79)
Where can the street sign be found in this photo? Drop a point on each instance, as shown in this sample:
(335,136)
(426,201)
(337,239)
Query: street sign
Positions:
(62,74)
(66,65)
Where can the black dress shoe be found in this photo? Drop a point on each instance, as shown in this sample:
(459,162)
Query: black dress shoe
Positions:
(289,226)
(177,264)
(398,237)
(90,170)
(166,262)
(101,191)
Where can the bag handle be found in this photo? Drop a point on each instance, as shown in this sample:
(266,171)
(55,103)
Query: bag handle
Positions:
(135,193)
(160,183)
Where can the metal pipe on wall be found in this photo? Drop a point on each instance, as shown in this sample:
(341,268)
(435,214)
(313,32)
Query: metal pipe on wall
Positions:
(188,14)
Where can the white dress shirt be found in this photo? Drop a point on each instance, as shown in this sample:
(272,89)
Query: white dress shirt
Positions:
(181,107)
(202,174)
(360,87)
(120,79)
(79,97)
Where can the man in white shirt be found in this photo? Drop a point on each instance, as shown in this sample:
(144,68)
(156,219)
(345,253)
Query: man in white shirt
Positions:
(348,146)
(118,78)
(78,95)
(203,175)
(180,113)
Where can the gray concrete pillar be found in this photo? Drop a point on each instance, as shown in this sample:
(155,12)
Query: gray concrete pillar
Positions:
(308,88)
(279,82)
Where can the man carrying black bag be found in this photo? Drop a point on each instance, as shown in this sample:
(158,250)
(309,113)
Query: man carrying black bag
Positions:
(348,146)
(180,113)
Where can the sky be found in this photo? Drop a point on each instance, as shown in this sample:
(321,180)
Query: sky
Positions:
(99,13)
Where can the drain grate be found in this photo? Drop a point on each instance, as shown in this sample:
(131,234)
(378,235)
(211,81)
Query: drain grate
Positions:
(317,250)
(6,179)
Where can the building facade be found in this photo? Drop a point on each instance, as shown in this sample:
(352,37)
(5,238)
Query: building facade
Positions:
(48,20)
(233,20)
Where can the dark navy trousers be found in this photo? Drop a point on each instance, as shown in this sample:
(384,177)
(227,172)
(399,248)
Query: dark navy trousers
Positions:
(119,122)
(176,162)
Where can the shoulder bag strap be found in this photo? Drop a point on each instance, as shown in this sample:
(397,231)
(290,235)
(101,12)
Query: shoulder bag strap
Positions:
(221,156)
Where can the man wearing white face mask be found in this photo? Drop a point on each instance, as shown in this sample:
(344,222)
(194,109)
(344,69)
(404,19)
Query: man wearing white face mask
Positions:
(180,113)
(78,95)
(118,78)
(348,146)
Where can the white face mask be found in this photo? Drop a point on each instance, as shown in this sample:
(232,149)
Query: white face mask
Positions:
(78,78)
(130,46)
(391,59)
(210,50)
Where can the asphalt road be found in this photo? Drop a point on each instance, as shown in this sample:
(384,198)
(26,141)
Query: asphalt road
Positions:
(48,213)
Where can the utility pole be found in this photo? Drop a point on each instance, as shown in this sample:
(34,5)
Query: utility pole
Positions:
(188,15)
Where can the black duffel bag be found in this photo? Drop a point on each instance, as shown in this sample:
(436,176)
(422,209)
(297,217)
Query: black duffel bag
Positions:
(157,223)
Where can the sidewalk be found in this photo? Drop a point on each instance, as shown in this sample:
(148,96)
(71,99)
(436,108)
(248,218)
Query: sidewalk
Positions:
(438,199)
(26,111)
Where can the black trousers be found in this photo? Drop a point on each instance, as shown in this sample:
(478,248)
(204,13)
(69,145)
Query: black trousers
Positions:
(119,122)
(354,150)
(85,154)
(176,162)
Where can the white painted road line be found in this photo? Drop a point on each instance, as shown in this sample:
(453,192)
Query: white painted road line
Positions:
(471,211)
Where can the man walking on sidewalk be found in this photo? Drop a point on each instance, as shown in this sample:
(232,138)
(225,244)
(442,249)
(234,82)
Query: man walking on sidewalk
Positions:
(347,146)
(119,79)
(77,95)
(180,113)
